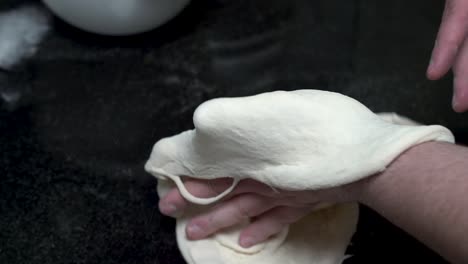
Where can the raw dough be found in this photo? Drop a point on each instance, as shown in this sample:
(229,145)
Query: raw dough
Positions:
(299,140)
(305,139)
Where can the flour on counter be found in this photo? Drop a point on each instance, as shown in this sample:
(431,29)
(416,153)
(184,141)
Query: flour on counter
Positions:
(21,31)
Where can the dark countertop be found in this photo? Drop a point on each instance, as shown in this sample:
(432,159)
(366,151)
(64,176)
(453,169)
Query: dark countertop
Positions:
(89,108)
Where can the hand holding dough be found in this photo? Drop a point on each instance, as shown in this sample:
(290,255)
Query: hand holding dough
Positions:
(299,140)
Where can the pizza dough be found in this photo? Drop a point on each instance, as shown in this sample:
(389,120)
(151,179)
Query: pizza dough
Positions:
(299,140)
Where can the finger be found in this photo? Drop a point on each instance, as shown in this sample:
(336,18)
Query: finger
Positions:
(252,186)
(230,213)
(173,203)
(207,188)
(269,224)
(211,188)
(451,35)
(460,81)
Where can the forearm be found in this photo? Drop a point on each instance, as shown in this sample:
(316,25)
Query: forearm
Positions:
(425,192)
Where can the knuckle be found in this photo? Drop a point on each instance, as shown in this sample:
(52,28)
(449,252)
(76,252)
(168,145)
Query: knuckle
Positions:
(248,205)
(242,212)
(449,7)
(456,12)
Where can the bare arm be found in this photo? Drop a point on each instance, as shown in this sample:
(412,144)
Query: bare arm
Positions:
(425,192)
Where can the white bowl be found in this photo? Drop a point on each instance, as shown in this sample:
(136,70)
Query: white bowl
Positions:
(116,17)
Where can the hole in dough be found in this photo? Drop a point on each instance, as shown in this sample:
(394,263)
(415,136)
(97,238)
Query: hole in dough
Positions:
(198,187)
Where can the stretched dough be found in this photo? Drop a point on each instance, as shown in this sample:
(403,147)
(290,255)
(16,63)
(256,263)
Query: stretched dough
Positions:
(299,140)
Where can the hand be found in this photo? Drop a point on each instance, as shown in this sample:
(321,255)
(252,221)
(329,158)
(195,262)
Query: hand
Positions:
(451,51)
(270,210)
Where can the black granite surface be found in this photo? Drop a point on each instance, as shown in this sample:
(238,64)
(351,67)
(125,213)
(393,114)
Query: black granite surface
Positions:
(78,120)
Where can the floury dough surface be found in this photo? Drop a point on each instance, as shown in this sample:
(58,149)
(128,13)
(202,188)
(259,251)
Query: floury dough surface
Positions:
(299,140)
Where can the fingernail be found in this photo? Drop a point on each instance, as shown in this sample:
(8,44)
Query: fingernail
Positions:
(247,242)
(194,231)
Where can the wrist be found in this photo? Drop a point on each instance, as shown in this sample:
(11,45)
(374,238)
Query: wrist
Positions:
(417,157)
